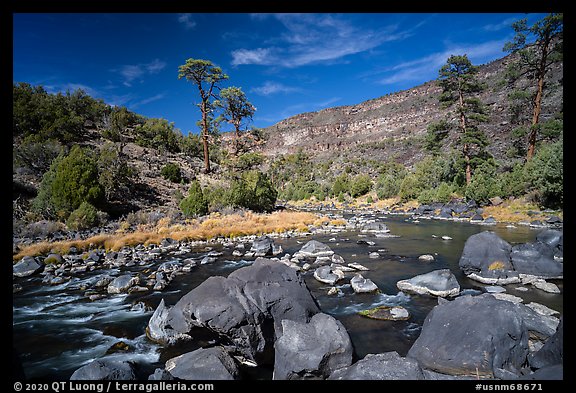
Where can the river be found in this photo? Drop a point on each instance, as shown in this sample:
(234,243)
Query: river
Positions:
(56,329)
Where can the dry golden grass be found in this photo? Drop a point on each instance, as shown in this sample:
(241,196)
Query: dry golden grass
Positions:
(215,225)
(516,211)
(496,265)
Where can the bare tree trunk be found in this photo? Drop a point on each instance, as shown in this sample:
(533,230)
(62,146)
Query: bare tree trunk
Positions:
(237,139)
(535,118)
(465,148)
(205,138)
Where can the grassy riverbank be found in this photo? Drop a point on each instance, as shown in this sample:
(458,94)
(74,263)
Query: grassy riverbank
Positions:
(214,225)
(509,211)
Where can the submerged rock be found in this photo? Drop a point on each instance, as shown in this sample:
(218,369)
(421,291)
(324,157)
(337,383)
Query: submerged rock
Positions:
(387,313)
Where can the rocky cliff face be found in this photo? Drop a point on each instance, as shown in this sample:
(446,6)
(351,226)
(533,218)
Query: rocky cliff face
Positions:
(392,126)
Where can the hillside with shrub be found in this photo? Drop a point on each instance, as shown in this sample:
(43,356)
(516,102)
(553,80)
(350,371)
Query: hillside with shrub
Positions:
(79,163)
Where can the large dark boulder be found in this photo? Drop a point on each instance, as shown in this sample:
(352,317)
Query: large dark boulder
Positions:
(536,259)
(552,352)
(555,372)
(247,308)
(311,350)
(472,335)
(382,366)
(554,239)
(262,246)
(26,267)
(204,364)
(486,258)
(105,369)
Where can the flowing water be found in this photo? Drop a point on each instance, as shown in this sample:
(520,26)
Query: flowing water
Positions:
(56,329)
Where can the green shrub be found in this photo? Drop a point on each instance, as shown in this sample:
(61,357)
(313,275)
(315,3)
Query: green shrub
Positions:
(254,191)
(36,153)
(218,198)
(545,174)
(71,180)
(361,185)
(427,196)
(171,172)
(409,188)
(115,175)
(513,183)
(85,217)
(483,185)
(158,134)
(341,184)
(369,199)
(194,204)
(390,179)
(249,161)
(444,192)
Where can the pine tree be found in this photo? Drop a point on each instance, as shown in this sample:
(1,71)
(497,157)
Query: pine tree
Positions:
(460,89)
(535,59)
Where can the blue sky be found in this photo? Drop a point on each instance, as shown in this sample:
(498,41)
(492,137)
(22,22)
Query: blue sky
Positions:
(285,63)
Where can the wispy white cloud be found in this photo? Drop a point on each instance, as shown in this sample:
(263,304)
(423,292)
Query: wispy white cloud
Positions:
(311,38)
(132,72)
(148,100)
(269,88)
(426,68)
(506,23)
(187,21)
(263,56)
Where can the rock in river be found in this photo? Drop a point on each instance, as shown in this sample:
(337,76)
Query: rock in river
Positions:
(262,246)
(375,227)
(387,313)
(105,369)
(476,335)
(382,366)
(122,283)
(437,283)
(328,275)
(314,249)
(314,349)
(486,258)
(204,364)
(536,259)
(362,285)
(26,267)
(247,308)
